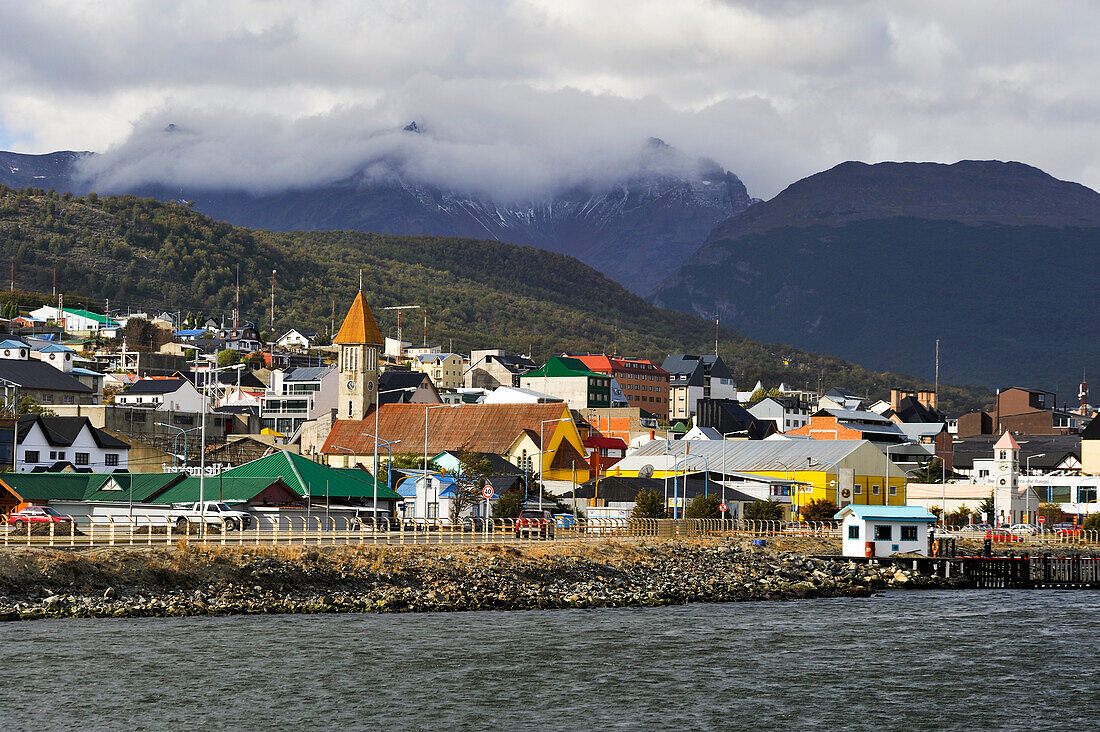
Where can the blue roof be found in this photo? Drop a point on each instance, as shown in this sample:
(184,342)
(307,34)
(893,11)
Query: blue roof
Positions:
(56,348)
(12,343)
(192,332)
(407,486)
(887,513)
(85,372)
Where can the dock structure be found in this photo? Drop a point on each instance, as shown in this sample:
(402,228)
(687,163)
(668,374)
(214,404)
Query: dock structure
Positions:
(1023,572)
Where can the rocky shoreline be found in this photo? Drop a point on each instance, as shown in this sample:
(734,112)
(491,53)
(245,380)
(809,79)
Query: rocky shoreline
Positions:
(256,580)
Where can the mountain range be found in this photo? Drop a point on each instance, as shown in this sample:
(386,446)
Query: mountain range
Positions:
(665,206)
(874,263)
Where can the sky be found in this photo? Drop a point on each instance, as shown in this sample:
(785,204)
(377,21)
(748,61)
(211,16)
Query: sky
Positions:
(524,96)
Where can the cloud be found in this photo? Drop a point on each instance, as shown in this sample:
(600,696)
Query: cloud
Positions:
(519,96)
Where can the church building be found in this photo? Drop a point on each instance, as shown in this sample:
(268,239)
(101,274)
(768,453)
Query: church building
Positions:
(359,342)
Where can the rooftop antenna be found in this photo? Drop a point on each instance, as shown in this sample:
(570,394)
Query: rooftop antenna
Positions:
(937,369)
(716,334)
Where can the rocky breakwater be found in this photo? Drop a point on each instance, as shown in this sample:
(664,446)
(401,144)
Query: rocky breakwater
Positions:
(176,582)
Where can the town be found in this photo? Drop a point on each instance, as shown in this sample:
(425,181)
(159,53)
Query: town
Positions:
(139,416)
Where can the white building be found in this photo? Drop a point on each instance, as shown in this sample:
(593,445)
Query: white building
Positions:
(517,395)
(298,395)
(297,338)
(77,320)
(48,442)
(171,394)
(882,531)
(787,412)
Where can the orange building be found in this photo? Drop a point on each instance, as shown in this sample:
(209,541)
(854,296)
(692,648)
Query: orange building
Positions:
(644,384)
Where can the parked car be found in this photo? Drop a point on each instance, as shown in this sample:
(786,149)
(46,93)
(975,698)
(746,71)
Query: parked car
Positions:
(476,523)
(1066,529)
(213,513)
(976,528)
(1023,529)
(535,521)
(1000,535)
(37,515)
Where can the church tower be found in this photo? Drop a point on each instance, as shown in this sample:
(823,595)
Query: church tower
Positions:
(359,343)
(1006,472)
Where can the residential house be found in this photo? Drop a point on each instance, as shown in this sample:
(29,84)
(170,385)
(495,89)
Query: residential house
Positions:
(302,338)
(297,395)
(46,441)
(570,379)
(444,369)
(727,416)
(644,385)
(406,387)
(244,338)
(40,381)
(841,398)
(65,360)
(603,452)
(831,423)
(492,368)
(450,461)
(787,412)
(162,393)
(692,378)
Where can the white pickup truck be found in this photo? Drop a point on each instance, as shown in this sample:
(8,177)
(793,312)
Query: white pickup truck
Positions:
(217,515)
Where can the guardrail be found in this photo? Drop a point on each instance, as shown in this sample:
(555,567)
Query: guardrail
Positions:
(323,530)
(1082,537)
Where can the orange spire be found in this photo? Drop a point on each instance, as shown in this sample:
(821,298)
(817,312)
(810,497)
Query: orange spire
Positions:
(359,325)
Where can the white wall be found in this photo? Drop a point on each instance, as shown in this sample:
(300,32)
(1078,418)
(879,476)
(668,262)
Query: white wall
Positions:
(856,547)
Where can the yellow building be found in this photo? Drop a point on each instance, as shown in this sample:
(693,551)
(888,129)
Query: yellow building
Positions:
(444,369)
(843,471)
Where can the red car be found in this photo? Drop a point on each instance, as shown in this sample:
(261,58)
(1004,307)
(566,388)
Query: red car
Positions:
(533,521)
(37,515)
(1002,535)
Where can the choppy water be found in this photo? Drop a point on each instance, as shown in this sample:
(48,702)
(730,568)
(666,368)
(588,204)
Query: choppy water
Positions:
(915,660)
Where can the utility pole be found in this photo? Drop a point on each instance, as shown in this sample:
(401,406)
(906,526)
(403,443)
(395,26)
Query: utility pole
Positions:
(237,305)
(399,309)
(13,275)
(55,281)
(715,334)
(937,371)
(272,304)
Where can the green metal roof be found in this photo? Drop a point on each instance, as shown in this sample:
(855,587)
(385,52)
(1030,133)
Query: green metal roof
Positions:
(101,319)
(229,488)
(302,474)
(564,366)
(53,486)
(120,486)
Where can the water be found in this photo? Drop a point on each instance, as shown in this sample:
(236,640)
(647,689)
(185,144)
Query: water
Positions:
(908,660)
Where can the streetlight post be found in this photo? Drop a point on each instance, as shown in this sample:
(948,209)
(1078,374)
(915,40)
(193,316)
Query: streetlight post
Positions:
(542,450)
(427,409)
(388,444)
(202,446)
(725,472)
(377,407)
(885,473)
(175,441)
(1027,493)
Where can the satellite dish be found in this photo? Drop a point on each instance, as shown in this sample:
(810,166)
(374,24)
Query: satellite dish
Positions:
(646,471)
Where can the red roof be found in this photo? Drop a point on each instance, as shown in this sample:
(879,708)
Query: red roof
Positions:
(1007,442)
(608,443)
(478,427)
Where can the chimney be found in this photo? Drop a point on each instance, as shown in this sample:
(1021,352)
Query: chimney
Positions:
(895,398)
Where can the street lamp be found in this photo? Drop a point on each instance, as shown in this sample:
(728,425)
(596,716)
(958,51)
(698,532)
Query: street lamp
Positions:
(427,409)
(175,441)
(810,463)
(886,472)
(377,407)
(725,436)
(389,467)
(202,446)
(1027,491)
(542,449)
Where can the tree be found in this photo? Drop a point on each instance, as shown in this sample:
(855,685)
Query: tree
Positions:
(758,395)
(508,505)
(931,472)
(704,507)
(1092,523)
(408,461)
(27,405)
(960,517)
(474,470)
(142,335)
(649,504)
(986,507)
(764,511)
(1051,513)
(819,510)
(228,357)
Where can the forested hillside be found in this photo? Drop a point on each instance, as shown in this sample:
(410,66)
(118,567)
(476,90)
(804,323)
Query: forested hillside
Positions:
(146,255)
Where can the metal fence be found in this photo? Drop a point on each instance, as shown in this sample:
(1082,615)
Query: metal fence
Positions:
(1073,537)
(322,530)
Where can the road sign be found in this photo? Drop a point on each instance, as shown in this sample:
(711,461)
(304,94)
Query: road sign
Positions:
(723,507)
(487,491)
(1042,519)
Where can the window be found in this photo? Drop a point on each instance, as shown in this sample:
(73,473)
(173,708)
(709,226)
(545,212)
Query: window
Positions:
(884,532)
(874,490)
(30,456)
(853,531)
(433,510)
(908,533)
(110,459)
(82,458)
(1086,495)
(893,490)
(857,489)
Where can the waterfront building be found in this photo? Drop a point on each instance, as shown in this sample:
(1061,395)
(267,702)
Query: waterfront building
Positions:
(882,531)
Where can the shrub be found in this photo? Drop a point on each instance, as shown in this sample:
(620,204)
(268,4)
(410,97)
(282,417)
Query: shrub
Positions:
(649,504)
(764,511)
(704,507)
